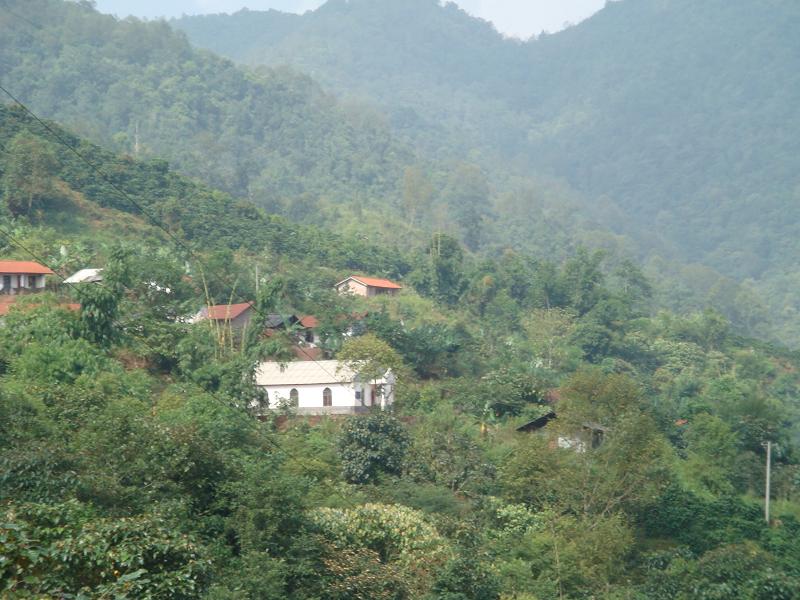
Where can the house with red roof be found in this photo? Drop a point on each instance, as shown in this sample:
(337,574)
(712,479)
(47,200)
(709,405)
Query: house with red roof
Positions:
(21,276)
(367,286)
(236,316)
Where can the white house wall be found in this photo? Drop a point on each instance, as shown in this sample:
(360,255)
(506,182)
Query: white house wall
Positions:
(354,287)
(22,281)
(310,397)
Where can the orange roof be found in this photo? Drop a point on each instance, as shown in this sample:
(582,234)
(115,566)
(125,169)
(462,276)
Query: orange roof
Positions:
(309,322)
(226,312)
(23,267)
(373,282)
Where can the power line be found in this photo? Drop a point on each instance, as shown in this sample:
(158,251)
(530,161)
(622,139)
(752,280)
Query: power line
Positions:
(155,221)
(20,17)
(41,261)
(72,286)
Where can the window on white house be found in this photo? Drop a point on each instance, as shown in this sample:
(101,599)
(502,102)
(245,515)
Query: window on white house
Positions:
(294,397)
(327,397)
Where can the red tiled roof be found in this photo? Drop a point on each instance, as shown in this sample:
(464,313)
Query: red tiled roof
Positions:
(309,322)
(23,267)
(226,312)
(378,283)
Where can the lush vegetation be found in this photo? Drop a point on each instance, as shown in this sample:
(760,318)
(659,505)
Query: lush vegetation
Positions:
(131,464)
(272,137)
(141,89)
(671,121)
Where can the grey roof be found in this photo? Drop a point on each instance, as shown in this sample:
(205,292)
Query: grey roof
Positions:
(304,373)
(85,276)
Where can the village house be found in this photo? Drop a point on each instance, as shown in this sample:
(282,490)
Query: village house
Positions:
(236,316)
(323,387)
(590,435)
(367,286)
(21,277)
(309,332)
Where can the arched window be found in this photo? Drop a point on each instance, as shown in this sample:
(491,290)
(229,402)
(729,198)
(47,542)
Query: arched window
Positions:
(294,397)
(327,397)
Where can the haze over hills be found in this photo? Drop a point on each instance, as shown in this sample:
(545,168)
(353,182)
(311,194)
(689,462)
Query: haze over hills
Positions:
(271,136)
(518,417)
(452,130)
(674,118)
(140,88)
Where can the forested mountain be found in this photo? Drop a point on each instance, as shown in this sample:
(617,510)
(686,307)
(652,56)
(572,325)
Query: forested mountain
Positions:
(272,136)
(671,120)
(132,464)
(141,89)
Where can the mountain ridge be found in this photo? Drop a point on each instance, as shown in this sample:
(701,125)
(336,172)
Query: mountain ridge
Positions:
(676,116)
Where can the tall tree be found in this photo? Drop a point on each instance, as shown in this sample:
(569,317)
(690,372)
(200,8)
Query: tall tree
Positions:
(28,178)
(467,195)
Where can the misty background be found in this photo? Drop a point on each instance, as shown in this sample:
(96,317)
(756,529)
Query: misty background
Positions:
(518,18)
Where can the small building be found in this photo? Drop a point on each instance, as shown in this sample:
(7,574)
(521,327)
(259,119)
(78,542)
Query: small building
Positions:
(318,387)
(309,333)
(237,316)
(591,434)
(21,277)
(367,286)
(85,276)
(279,322)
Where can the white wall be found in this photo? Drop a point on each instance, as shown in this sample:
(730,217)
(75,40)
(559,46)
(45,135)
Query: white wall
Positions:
(354,287)
(310,397)
(21,281)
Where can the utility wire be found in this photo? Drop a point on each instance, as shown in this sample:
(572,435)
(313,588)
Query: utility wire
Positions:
(154,220)
(72,286)
(41,261)
(20,17)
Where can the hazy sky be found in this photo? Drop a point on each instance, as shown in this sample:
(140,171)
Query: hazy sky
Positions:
(520,18)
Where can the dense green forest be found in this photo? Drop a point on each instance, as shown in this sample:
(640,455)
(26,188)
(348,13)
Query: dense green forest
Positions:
(671,121)
(274,137)
(142,90)
(131,464)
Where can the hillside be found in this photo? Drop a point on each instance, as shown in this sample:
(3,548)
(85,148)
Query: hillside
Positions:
(671,121)
(134,462)
(101,195)
(141,89)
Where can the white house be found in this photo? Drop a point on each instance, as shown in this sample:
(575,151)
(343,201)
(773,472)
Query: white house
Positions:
(323,387)
(367,286)
(20,276)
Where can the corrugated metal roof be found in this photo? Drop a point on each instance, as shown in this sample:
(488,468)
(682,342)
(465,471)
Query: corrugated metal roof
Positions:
(304,373)
(85,276)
